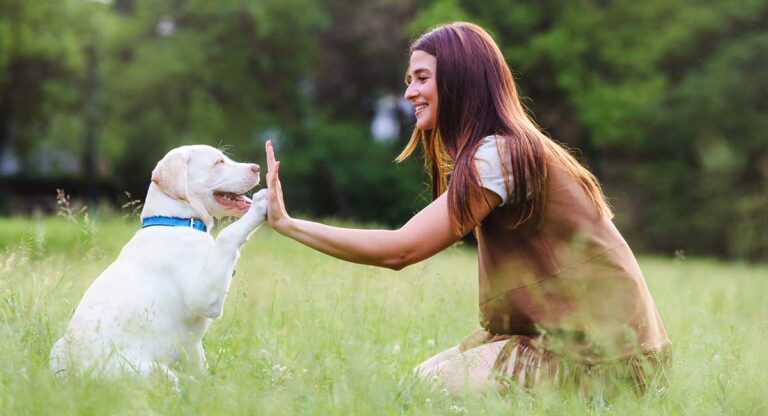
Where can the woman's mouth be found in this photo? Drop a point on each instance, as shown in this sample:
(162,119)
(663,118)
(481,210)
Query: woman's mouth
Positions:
(419,108)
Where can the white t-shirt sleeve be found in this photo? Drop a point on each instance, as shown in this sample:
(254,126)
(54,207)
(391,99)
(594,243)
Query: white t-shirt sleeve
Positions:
(489,169)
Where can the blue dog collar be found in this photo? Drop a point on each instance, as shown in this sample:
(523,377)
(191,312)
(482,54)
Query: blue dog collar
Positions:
(174,222)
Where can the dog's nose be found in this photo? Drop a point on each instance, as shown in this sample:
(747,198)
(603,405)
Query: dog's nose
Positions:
(255,168)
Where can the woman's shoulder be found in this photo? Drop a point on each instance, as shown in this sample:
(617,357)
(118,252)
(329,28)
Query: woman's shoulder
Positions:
(493,138)
(490,168)
(488,147)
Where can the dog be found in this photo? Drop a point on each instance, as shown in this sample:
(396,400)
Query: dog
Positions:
(150,308)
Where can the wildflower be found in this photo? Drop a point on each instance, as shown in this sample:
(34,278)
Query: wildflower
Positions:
(277,368)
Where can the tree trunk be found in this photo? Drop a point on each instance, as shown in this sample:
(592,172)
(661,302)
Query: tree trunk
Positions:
(90,140)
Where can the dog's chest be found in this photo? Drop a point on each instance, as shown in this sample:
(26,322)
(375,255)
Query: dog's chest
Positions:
(175,246)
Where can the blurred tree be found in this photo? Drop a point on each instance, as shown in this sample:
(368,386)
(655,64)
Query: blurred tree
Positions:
(364,55)
(337,170)
(665,101)
(198,72)
(41,62)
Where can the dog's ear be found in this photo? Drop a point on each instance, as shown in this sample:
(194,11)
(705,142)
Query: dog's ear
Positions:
(170,175)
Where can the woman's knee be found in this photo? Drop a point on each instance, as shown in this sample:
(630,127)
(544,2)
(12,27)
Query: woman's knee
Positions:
(471,370)
(426,369)
(465,375)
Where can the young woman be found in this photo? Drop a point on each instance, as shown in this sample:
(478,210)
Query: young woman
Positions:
(562,298)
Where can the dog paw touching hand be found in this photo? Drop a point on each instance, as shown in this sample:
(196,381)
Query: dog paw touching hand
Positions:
(259,205)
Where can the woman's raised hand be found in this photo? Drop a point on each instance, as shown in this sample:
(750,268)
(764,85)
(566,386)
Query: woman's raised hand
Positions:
(276,214)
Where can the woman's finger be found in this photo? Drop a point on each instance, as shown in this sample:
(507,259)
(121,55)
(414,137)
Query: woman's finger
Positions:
(270,155)
(274,179)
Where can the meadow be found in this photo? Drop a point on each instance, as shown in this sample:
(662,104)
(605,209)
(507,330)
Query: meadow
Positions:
(303,333)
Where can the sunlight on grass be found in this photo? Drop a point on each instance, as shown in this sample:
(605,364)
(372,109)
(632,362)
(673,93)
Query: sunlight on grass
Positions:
(303,333)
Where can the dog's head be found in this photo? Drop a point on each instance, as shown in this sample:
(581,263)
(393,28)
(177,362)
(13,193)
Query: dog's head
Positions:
(207,180)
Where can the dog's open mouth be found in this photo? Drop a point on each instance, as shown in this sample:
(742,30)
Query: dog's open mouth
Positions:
(232,200)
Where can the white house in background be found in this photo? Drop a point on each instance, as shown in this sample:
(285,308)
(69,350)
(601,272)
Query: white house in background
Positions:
(165,27)
(49,159)
(385,125)
(45,159)
(9,162)
(392,111)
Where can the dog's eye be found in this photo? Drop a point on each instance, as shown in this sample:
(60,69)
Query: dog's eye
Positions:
(219,162)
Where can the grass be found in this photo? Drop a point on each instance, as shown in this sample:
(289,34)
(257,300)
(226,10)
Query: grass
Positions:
(303,333)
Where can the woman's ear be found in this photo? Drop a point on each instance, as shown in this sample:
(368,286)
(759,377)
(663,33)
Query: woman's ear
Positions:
(170,175)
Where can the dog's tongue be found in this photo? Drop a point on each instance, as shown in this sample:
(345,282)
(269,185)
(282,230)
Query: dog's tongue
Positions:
(240,202)
(243,202)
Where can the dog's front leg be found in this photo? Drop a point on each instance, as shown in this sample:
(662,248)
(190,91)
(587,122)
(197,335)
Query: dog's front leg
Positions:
(210,289)
(197,357)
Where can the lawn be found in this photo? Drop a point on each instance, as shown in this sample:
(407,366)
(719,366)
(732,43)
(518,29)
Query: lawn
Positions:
(303,333)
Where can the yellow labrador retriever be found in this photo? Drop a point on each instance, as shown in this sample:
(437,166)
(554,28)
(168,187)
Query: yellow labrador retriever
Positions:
(151,307)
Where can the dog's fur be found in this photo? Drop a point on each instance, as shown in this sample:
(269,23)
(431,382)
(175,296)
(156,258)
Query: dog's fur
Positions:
(151,307)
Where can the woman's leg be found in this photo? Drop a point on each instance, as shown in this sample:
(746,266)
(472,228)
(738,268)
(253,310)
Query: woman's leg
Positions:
(426,369)
(471,370)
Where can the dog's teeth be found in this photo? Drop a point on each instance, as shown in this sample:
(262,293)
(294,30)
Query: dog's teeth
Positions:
(230,196)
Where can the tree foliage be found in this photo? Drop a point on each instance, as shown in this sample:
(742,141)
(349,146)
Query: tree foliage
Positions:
(665,101)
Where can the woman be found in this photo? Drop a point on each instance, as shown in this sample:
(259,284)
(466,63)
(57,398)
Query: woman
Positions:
(562,298)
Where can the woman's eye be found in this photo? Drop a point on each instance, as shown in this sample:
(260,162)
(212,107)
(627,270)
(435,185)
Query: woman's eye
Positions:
(423,79)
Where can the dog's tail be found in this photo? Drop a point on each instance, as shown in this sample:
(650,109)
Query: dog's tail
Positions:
(58,358)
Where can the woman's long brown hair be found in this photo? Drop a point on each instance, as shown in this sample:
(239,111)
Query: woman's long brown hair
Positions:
(477,98)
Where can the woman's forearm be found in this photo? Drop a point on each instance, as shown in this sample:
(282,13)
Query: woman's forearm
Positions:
(381,248)
(428,232)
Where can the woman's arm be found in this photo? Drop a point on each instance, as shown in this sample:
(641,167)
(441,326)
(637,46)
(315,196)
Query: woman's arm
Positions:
(427,233)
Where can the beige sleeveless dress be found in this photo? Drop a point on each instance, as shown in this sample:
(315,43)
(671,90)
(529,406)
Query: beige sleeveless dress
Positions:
(570,296)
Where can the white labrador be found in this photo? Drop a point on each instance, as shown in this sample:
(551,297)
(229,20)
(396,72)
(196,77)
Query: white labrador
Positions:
(151,307)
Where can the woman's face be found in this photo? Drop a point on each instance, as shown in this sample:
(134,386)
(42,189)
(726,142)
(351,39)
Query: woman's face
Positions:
(422,89)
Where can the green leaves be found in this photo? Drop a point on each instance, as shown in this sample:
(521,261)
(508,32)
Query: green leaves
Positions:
(437,12)
(665,100)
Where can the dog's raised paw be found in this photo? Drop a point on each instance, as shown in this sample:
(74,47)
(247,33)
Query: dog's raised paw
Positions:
(259,204)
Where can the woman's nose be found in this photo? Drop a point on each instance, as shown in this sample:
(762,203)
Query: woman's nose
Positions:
(411,92)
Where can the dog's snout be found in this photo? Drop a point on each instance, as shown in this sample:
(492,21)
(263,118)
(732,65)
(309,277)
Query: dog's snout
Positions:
(255,168)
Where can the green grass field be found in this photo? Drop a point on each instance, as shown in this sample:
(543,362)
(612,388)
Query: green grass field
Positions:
(303,333)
